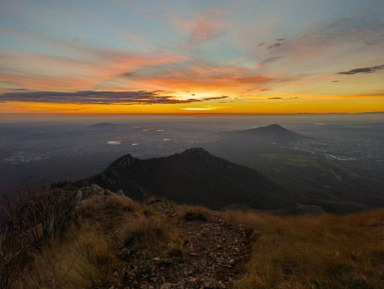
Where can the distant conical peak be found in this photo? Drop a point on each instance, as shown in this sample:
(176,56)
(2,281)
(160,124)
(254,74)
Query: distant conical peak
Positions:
(103,124)
(274,126)
(273,132)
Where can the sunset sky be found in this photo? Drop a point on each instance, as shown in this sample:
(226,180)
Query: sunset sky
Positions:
(288,56)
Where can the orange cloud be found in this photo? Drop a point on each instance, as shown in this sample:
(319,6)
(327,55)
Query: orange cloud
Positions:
(44,72)
(204,77)
(99,97)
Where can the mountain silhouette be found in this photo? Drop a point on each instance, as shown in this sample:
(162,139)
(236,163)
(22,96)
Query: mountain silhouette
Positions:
(192,177)
(271,133)
(103,125)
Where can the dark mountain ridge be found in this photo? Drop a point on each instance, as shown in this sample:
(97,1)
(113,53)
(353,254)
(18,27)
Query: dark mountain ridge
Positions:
(192,177)
(103,125)
(274,132)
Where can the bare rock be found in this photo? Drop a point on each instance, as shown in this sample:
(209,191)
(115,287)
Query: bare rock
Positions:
(120,192)
(166,286)
(158,205)
(96,189)
(108,192)
(78,198)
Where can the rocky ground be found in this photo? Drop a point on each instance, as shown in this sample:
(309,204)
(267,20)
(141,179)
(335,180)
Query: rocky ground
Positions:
(214,255)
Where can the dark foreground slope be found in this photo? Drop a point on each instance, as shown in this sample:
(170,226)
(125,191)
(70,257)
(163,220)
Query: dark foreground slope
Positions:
(192,177)
(114,242)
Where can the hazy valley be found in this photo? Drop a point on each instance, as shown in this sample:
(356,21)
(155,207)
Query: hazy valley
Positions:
(335,161)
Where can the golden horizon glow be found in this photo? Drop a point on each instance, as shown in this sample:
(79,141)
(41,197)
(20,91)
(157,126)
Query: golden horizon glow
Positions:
(261,106)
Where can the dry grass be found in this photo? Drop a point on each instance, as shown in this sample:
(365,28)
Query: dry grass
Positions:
(326,252)
(84,259)
(86,255)
(95,206)
(193,213)
(151,232)
(314,252)
(146,232)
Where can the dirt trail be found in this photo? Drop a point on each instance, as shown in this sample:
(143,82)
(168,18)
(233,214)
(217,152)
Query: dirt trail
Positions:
(215,255)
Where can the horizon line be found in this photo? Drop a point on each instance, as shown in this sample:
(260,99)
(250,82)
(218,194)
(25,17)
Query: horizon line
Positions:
(187,114)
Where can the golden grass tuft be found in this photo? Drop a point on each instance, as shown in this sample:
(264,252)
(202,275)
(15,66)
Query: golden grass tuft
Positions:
(193,213)
(85,256)
(96,204)
(152,234)
(85,259)
(146,231)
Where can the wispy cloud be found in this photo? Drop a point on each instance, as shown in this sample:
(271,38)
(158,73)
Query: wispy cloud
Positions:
(275,45)
(207,26)
(99,97)
(324,43)
(371,69)
(203,75)
(34,71)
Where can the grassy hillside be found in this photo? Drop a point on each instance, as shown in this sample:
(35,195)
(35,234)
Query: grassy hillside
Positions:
(113,242)
(314,252)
